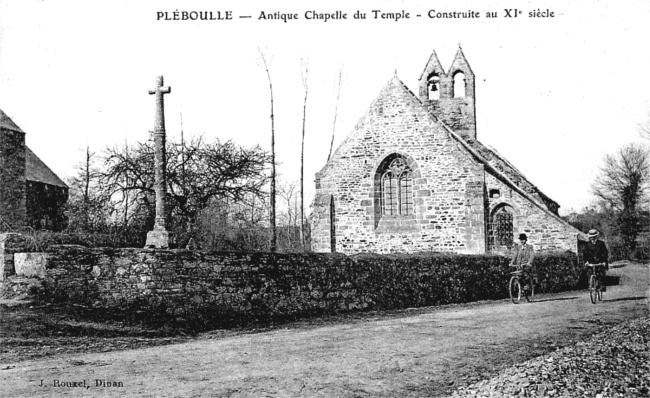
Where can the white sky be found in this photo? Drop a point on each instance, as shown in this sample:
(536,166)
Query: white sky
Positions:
(553,95)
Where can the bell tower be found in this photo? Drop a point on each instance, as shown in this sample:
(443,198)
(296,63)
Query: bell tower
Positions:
(450,96)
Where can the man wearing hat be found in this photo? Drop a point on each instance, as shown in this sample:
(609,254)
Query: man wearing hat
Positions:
(523,256)
(595,252)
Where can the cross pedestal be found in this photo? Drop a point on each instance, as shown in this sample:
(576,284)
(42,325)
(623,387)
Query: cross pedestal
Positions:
(159,237)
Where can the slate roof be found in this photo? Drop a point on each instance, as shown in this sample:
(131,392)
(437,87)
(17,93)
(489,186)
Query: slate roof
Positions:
(35,169)
(503,165)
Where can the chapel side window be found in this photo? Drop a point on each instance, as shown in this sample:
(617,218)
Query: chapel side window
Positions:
(397,189)
(502,227)
(406,193)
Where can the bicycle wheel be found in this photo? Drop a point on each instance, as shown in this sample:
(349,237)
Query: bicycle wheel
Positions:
(515,289)
(592,289)
(530,292)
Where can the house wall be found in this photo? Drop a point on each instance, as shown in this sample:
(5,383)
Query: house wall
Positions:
(12,179)
(448,185)
(45,205)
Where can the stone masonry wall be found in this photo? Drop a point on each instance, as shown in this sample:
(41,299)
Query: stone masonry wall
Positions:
(230,284)
(445,180)
(457,113)
(226,287)
(10,244)
(456,110)
(12,179)
(545,232)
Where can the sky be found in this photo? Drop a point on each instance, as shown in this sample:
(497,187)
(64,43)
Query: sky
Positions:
(554,95)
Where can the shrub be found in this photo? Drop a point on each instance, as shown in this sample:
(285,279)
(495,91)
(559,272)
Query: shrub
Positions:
(558,272)
(399,281)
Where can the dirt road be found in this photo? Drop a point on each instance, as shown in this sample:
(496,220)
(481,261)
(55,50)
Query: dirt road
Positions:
(423,353)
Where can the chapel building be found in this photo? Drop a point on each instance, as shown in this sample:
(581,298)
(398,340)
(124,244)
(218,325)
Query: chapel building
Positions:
(31,194)
(412,177)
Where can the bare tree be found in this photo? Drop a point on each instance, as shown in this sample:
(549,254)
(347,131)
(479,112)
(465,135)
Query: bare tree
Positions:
(287,191)
(304,71)
(235,225)
(274,237)
(86,205)
(198,173)
(336,108)
(87,173)
(624,177)
(622,185)
(644,128)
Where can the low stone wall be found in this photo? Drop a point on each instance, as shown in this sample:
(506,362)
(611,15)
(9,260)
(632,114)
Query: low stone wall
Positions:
(228,287)
(181,282)
(10,244)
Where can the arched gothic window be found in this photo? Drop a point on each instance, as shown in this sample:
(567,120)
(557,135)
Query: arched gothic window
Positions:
(501,227)
(396,195)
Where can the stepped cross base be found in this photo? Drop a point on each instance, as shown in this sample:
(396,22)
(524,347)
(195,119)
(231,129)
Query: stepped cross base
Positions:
(159,238)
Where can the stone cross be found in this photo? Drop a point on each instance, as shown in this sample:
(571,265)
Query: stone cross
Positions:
(159,237)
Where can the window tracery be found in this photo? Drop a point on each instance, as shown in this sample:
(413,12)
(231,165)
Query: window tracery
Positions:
(396,196)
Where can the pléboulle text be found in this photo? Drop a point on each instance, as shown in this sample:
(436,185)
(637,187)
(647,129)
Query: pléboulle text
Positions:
(193,15)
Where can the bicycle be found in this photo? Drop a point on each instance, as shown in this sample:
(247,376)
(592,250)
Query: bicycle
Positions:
(515,288)
(595,285)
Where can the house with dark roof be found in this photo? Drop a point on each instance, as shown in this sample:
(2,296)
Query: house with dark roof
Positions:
(412,177)
(31,194)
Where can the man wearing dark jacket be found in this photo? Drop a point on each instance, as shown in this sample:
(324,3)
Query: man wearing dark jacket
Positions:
(595,252)
(522,257)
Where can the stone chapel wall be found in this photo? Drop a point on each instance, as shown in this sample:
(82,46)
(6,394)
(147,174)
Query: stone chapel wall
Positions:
(545,232)
(445,180)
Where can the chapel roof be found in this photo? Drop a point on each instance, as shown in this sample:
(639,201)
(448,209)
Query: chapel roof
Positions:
(497,161)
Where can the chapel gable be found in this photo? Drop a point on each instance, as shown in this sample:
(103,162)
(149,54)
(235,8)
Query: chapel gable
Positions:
(399,182)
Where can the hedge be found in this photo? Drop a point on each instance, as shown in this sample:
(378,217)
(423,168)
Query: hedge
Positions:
(401,281)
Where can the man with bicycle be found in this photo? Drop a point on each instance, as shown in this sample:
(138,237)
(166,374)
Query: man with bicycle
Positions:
(522,258)
(595,252)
